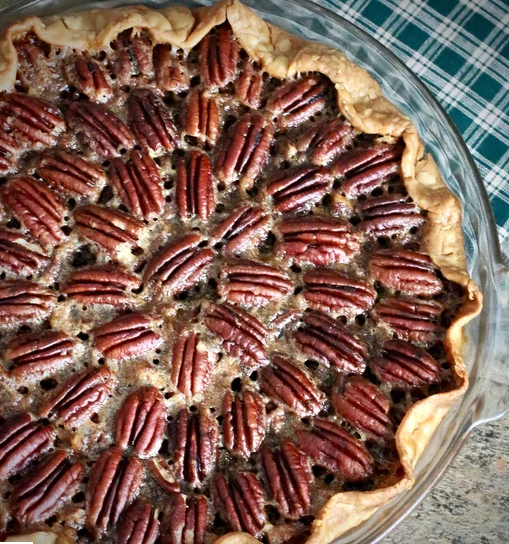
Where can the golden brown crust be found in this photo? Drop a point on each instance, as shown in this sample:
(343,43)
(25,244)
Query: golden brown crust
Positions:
(361,101)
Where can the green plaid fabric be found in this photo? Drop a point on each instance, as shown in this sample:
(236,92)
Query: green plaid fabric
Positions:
(460,49)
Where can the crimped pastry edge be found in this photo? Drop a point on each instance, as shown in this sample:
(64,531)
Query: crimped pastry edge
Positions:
(361,101)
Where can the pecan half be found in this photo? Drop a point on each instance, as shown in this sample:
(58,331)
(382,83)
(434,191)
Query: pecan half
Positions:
(336,449)
(202,117)
(242,335)
(245,150)
(162,473)
(39,208)
(180,265)
(9,153)
(139,524)
(88,77)
(127,336)
(411,319)
(317,241)
(362,159)
(21,255)
(138,184)
(21,442)
(195,442)
(141,422)
(299,188)
(191,364)
(251,282)
(43,490)
(365,408)
(184,521)
(112,486)
(324,339)
(133,55)
(248,86)
(36,353)
(151,121)
(69,173)
(34,66)
(108,227)
(104,131)
(407,271)
(79,396)
(405,365)
(329,290)
(219,54)
(240,501)
(195,186)
(327,141)
(244,422)
(108,284)
(21,301)
(297,100)
(288,477)
(243,229)
(171,74)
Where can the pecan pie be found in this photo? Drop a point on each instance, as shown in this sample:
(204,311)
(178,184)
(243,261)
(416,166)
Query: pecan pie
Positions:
(233,285)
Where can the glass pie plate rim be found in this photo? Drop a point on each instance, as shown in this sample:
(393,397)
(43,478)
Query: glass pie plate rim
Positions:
(488,395)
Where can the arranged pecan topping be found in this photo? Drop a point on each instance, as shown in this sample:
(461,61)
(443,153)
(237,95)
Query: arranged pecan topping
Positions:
(195,186)
(195,441)
(362,159)
(39,208)
(191,364)
(336,449)
(43,490)
(242,335)
(69,173)
(297,100)
(21,442)
(243,229)
(365,408)
(324,339)
(141,422)
(36,353)
(406,271)
(133,55)
(219,54)
(112,486)
(241,502)
(202,117)
(151,121)
(405,365)
(138,184)
(330,290)
(22,301)
(180,265)
(245,150)
(170,73)
(244,422)
(251,282)
(162,473)
(108,284)
(108,227)
(283,381)
(411,319)
(248,86)
(79,397)
(288,477)
(104,131)
(185,521)
(139,524)
(126,336)
(317,241)
(21,255)
(327,141)
(299,188)
(88,77)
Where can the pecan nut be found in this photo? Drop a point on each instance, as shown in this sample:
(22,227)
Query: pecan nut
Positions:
(251,282)
(361,159)
(185,521)
(112,486)
(35,69)
(133,55)
(248,86)
(405,365)
(35,353)
(171,75)
(9,153)
(202,117)
(139,524)
(37,206)
(22,301)
(324,339)
(244,422)
(162,473)
(219,54)
(89,78)
(21,442)
(327,141)
(245,150)
(406,271)
(21,255)
(127,336)
(242,335)
(43,491)
(241,502)
(288,477)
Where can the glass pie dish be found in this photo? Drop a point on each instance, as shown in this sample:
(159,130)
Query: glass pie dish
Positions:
(487,396)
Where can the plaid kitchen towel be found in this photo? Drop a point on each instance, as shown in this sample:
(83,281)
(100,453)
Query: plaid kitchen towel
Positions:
(460,50)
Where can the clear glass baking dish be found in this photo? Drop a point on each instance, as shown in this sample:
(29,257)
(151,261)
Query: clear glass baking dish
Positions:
(488,340)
